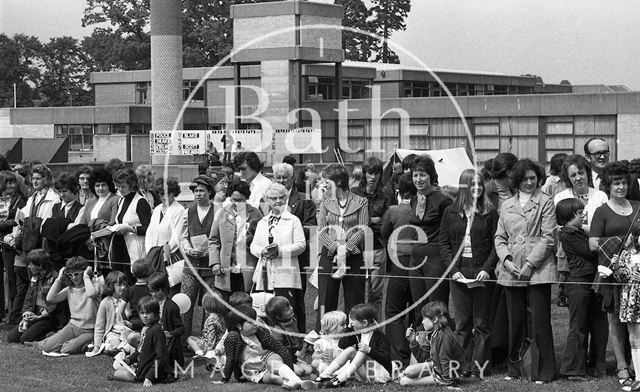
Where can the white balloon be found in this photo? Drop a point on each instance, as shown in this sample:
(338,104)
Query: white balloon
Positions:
(183,301)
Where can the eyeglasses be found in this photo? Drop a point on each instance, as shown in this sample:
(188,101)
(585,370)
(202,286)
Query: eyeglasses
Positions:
(74,274)
(598,154)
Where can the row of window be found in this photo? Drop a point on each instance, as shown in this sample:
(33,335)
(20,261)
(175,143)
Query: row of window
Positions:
(434,89)
(143,92)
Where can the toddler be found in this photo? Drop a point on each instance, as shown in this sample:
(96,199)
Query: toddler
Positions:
(170,320)
(110,333)
(326,348)
(212,332)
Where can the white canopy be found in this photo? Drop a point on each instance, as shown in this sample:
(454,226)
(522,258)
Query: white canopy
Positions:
(450,163)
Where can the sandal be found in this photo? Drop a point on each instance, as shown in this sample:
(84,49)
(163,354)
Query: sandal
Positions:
(624,377)
(335,383)
(323,379)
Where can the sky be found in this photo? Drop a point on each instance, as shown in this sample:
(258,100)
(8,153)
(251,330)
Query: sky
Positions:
(583,41)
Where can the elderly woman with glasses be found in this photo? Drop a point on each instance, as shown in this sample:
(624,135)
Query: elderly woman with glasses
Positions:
(278,241)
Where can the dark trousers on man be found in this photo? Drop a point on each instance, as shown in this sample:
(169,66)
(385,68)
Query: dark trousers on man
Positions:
(398,299)
(22,285)
(8,257)
(529,314)
(36,332)
(473,325)
(353,285)
(427,269)
(585,316)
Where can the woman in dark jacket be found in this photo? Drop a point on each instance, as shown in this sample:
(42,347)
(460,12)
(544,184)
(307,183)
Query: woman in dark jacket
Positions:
(427,208)
(466,239)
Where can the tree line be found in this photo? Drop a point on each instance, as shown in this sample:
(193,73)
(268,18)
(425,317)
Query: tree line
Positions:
(56,73)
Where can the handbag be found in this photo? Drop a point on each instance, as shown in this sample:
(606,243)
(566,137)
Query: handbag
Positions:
(523,360)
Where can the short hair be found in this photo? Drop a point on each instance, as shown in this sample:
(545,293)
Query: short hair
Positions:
(67,181)
(40,258)
(581,163)
(407,162)
(586,144)
(240,298)
(406,186)
(102,175)
(205,181)
(282,167)
(252,159)
(555,166)
(613,171)
(6,176)
(426,164)
(145,174)
(486,170)
(43,171)
(173,187)
(502,165)
(634,167)
(148,304)
(141,269)
(126,175)
(241,187)
(84,169)
(331,321)
(362,312)
(275,307)
(211,304)
(113,278)
(289,160)
(338,175)
(234,318)
(76,263)
(158,281)
(567,209)
(113,165)
(520,170)
(371,166)
(275,187)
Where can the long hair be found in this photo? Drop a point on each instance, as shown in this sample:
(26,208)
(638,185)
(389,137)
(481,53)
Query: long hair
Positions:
(465,198)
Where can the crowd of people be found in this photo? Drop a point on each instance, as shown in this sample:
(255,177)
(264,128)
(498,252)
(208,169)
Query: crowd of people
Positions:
(105,260)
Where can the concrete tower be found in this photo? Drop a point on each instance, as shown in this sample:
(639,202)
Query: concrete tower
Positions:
(166,65)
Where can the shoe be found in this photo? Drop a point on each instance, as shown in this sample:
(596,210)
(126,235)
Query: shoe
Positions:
(510,378)
(334,383)
(291,385)
(538,382)
(635,386)
(624,377)
(323,379)
(307,385)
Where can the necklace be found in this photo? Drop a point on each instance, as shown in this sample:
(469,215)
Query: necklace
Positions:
(621,210)
(346,201)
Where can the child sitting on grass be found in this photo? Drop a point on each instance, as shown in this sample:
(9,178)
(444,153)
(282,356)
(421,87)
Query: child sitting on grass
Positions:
(39,317)
(326,348)
(280,316)
(213,329)
(151,357)
(254,355)
(110,333)
(170,320)
(444,351)
(368,344)
(82,294)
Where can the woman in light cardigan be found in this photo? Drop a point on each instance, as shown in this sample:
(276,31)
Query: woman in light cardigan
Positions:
(165,219)
(278,241)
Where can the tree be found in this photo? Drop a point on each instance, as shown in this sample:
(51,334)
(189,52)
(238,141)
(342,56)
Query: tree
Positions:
(65,76)
(389,16)
(19,66)
(207,33)
(357,46)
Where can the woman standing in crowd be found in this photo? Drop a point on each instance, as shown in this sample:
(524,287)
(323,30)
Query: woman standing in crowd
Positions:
(132,221)
(86,193)
(231,234)
(341,251)
(10,202)
(524,242)
(466,239)
(104,208)
(555,182)
(278,241)
(39,205)
(165,218)
(614,218)
(427,208)
(195,227)
(146,183)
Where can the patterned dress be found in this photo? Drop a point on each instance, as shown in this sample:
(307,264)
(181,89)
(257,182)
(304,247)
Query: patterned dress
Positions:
(630,293)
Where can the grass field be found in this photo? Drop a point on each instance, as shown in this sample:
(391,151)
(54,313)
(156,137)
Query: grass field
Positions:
(25,369)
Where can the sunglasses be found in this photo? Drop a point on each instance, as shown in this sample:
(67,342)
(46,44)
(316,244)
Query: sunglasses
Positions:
(74,274)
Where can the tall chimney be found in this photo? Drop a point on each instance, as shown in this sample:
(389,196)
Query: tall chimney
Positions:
(166,64)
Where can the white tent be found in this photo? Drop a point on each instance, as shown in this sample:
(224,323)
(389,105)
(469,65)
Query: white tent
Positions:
(450,163)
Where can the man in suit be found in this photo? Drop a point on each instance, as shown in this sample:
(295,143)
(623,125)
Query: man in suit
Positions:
(598,153)
(305,209)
